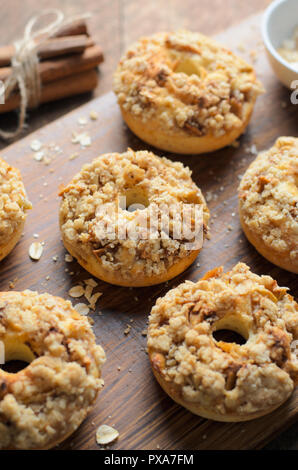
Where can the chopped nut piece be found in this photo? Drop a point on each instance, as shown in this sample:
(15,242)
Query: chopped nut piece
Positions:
(94,299)
(88,292)
(106,434)
(93,115)
(35,145)
(91,282)
(82,309)
(82,121)
(127,330)
(35,250)
(253,150)
(84,139)
(38,156)
(76,291)
(68,258)
(209,196)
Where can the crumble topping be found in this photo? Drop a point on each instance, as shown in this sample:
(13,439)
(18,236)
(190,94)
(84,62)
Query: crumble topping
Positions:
(48,399)
(143,178)
(188,82)
(226,377)
(268,196)
(13,201)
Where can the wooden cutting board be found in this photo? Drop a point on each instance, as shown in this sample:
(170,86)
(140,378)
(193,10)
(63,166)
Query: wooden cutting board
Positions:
(132,401)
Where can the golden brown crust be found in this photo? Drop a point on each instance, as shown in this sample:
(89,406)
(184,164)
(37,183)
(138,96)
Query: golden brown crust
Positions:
(185,93)
(9,245)
(143,178)
(268,203)
(215,379)
(152,133)
(45,402)
(95,268)
(13,206)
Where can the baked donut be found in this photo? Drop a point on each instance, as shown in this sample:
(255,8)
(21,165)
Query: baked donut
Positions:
(13,206)
(219,380)
(268,203)
(120,247)
(46,401)
(185,93)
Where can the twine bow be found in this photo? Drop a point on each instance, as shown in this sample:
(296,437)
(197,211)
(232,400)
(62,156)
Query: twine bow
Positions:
(24,64)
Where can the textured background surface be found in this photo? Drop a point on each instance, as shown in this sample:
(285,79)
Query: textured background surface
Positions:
(115,24)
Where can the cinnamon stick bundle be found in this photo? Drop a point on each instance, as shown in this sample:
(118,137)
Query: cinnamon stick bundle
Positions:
(67,64)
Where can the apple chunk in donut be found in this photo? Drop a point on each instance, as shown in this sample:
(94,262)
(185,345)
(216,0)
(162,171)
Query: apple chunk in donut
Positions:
(268,203)
(206,373)
(13,206)
(133,219)
(45,402)
(185,93)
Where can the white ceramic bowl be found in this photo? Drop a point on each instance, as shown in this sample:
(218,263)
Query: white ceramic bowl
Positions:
(279,22)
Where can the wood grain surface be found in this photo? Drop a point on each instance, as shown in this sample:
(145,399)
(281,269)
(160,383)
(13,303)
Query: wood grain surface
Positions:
(114,25)
(132,401)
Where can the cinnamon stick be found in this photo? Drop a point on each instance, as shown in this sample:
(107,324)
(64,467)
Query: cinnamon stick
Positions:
(54,69)
(64,45)
(73,85)
(51,48)
(72,29)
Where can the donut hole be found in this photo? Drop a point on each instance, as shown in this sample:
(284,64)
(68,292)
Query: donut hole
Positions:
(17,355)
(228,336)
(188,66)
(13,367)
(230,330)
(134,199)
